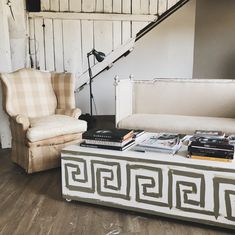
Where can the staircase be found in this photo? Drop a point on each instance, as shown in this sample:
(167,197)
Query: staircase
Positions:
(61,35)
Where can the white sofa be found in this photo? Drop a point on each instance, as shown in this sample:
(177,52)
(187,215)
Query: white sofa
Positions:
(176,105)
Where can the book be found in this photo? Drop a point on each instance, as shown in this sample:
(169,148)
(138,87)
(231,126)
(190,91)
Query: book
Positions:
(110,147)
(210,158)
(138,133)
(231,139)
(163,142)
(218,153)
(115,135)
(109,143)
(212,143)
(209,134)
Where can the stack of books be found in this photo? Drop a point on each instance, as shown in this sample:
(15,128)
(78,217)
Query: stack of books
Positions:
(211,145)
(162,142)
(114,139)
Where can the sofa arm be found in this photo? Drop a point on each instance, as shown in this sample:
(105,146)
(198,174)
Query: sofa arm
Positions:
(75,113)
(123,98)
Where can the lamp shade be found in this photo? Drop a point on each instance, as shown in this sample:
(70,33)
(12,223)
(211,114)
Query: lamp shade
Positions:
(98,55)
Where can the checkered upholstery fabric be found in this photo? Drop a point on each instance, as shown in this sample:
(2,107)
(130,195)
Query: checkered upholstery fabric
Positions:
(30,93)
(63,85)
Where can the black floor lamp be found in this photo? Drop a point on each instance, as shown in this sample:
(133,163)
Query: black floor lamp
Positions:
(99,57)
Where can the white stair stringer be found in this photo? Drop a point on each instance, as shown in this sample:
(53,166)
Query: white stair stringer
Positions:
(99,67)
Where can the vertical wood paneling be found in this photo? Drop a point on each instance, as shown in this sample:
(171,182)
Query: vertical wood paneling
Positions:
(58,46)
(55,5)
(99,5)
(144,7)
(153,7)
(40,43)
(171,3)
(64,5)
(87,42)
(88,5)
(136,6)
(103,36)
(162,7)
(117,6)
(108,6)
(137,26)
(126,6)
(126,31)
(75,5)
(117,34)
(45,5)
(49,45)
(32,44)
(72,46)
(5,50)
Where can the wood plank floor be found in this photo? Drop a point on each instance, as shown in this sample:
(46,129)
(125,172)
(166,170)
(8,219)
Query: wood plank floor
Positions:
(32,204)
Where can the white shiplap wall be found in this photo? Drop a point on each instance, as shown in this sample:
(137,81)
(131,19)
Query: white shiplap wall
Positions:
(105,6)
(62,34)
(60,40)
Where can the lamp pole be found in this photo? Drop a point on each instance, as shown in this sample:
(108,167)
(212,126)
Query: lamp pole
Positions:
(99,57)
(90,76)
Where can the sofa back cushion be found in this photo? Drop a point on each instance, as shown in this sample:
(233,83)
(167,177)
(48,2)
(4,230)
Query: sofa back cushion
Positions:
(29,92)
(192,97)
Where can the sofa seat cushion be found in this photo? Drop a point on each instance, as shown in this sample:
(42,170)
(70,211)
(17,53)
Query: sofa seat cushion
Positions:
(55,125)
(177,123)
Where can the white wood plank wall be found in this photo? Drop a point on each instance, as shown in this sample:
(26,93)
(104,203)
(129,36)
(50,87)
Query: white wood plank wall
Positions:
(63,44)
(108,6)
(61,41)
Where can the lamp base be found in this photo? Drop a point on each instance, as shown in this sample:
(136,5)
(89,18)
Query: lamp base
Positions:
(91,121)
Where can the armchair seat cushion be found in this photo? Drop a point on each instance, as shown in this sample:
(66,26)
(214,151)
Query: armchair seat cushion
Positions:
(55,125)
(177,123)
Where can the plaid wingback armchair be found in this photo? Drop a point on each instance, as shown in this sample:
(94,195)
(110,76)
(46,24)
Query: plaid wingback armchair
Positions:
(43,117)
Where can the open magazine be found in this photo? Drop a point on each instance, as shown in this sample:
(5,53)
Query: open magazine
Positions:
(162,142)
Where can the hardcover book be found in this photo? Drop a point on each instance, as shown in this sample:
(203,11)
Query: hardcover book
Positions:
(219,153)
(109,143)
(120,148)
(108,134)
(210,158)
(212,143)
(209,134)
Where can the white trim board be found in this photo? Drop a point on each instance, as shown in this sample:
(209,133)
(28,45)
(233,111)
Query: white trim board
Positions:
(92,16)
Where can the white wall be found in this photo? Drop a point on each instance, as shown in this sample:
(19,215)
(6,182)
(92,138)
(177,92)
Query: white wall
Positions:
(13,52)
(165,52)
(215,39)
(5,66)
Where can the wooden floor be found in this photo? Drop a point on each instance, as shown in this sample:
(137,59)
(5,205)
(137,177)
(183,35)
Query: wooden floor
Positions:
(32,204)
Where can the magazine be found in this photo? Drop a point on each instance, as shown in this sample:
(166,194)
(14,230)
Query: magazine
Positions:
(163,142)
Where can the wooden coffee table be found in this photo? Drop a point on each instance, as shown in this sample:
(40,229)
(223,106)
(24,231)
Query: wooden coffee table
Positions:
(153,183)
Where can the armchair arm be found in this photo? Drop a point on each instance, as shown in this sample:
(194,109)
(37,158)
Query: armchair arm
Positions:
(23,121)
(75,113)
(19,126)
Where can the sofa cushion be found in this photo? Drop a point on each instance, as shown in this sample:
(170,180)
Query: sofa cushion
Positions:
(52,126)
(177,123)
